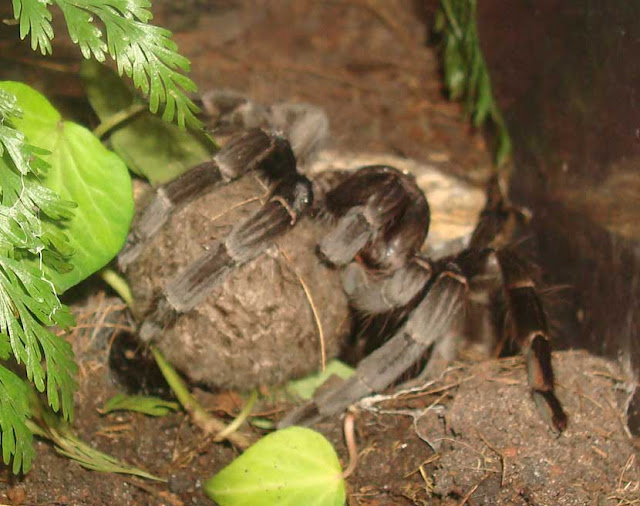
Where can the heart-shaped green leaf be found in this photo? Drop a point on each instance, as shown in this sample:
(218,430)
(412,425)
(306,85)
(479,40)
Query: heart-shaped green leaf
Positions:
(151,147)
(84,171)
(290,467)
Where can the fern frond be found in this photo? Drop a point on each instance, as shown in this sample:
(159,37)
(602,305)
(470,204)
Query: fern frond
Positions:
(35,19)
(143,52)
(28,301)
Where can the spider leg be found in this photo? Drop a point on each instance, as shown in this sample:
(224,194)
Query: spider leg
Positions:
(530,331)
(304,125)
(436,313)
(289,201)
(373,294)
(381,216)
(249,151)
(527,320)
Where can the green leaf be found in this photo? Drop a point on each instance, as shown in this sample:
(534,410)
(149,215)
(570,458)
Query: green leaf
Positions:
(151,406)
(35,18)
(48,425)
(484,101)
(504,147)
(30,242)
(26,303)
(151,147)
(465,73)
(84,171)
(454,67)
(290,467)
(144,52)
(262,423)
(306,387)
(83,32)
(14,412)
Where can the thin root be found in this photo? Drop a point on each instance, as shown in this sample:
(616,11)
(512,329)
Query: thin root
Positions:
(468,495)
(350,439)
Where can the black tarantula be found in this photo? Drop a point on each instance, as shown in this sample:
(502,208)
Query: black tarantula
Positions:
(377,220)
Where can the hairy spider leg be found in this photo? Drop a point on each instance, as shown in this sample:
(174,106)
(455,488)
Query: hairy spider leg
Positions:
(436,309)
(381,220)
(528,325)
(251,150)
(526,320)
(304,125)
(381,216)
(440,307)
(289,201)
(374,293)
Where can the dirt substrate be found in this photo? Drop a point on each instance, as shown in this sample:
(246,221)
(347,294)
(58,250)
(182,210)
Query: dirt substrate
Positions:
(482,441)
(472,436)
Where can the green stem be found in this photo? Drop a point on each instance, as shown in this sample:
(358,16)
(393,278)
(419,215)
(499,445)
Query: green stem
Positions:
(118,118)
(36,430)
(200,417)
(119,285)
(68,445)
(239,420)
(446,6)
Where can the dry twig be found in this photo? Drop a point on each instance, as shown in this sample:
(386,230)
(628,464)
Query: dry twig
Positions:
(468,495)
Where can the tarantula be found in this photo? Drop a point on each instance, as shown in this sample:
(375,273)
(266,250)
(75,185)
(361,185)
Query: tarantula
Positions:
(376,220)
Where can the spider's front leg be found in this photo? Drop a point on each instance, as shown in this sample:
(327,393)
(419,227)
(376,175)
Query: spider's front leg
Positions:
(251,150)
(381,217)
(290,199)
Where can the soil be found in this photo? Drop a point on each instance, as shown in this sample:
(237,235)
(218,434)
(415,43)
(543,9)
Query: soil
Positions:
(472,436)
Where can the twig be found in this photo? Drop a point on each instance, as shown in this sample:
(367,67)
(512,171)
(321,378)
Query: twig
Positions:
(368,402)
(468,495)
(437,390)
(127,328)
(627,465)
(119,285)
(620,417)
(164,495)
(461,443)
(604,374)
(65,68)
(499,453)
(430,460)
(235,206)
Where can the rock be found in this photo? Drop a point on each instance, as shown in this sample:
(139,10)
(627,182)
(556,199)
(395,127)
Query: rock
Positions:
(258,326)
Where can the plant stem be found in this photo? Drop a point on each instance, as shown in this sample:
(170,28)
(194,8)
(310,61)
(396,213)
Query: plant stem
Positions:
(446,6)
(119,285)
(238,421)
(208,423)
(118,118)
